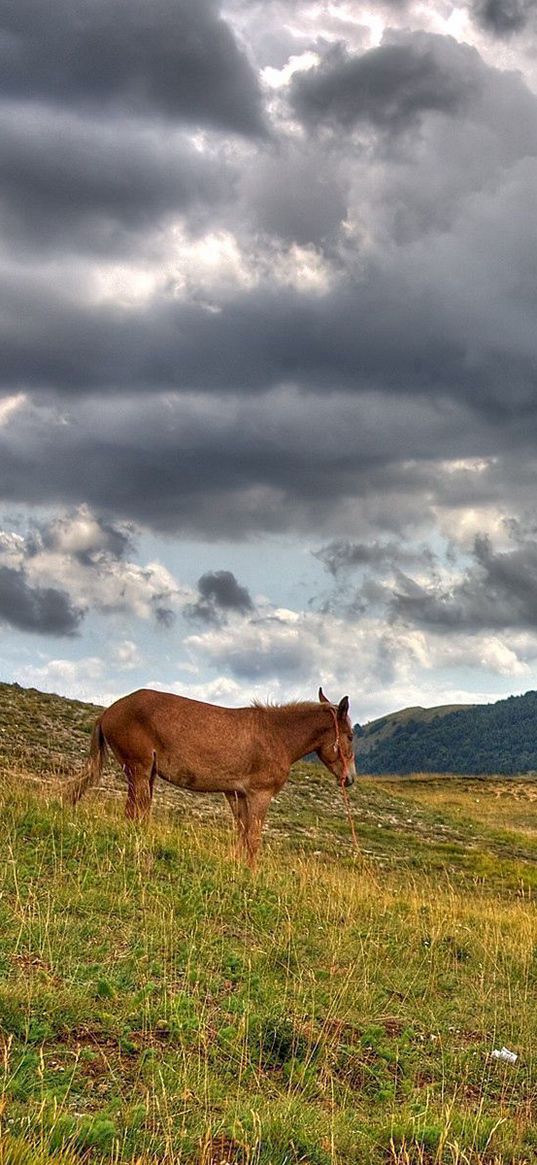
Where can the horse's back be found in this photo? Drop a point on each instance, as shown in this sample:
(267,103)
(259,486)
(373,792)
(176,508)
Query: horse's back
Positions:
(147,703)
(182,737)
(164,716)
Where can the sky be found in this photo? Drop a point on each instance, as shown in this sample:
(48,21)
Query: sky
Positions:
(268,372)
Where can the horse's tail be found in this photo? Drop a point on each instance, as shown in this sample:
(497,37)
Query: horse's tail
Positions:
(94,767)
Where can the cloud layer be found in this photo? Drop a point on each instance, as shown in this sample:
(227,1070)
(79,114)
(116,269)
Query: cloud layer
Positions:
(270,273)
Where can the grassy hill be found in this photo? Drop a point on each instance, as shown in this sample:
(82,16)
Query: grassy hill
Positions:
(160,1004)
(44,732)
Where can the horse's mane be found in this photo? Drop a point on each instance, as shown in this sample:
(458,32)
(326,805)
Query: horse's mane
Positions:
(290,705)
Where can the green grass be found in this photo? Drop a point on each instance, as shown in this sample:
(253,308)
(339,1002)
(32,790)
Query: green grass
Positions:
(159,1003)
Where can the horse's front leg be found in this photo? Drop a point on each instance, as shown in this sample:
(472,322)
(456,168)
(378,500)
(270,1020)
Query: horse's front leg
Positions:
(239,809)
(257,806)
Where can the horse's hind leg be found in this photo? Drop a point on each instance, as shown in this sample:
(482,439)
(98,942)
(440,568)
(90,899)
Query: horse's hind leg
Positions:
(141,779)
(249,813)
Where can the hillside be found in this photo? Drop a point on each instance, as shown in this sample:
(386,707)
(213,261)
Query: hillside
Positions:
(486,738)
(158,1004)
(44,732)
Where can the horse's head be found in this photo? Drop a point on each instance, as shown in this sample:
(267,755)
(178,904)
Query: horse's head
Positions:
(336,749)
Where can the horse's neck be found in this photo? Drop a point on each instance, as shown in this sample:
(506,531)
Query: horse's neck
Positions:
(302,729)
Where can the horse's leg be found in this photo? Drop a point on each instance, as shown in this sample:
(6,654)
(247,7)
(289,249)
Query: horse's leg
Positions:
(257,806)
(140,792)
(239,809)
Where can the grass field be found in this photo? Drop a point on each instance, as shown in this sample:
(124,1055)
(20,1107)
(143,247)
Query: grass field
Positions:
(159,1003)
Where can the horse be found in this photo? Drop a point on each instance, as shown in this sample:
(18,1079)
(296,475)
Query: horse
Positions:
(244,753)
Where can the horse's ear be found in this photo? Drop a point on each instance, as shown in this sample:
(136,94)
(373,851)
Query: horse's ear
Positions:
(322,697)
(343,708)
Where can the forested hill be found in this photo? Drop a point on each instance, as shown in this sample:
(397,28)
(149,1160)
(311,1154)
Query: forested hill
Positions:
(481,738)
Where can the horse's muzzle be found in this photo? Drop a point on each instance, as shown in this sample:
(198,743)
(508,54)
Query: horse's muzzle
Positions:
(349,780)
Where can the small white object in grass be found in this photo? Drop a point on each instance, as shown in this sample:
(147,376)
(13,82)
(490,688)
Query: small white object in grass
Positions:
(506,1055)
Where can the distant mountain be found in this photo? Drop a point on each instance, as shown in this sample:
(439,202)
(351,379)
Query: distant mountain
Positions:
(467,738)
(376,732)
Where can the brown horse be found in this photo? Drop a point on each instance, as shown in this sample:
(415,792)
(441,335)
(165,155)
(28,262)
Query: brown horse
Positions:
(244,753)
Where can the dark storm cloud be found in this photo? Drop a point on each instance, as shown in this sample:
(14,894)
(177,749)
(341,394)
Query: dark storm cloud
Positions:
(503,17)
(221,588)
(69,181)
(176,58)
(377,561)
(389,86)
(173,465)
(498,591)
(343,555)
(381,333)
(277,660)
(219,595)
(45,610)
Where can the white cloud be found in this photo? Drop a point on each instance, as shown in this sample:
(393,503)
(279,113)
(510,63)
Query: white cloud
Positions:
(462,524)
(484,652)
(84,555)
(496,656)
(127,655)
(125,284)
(219,690)
(277,78)
(78,679)
(289,654)
(10,405)
(220,262)
(12,549)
